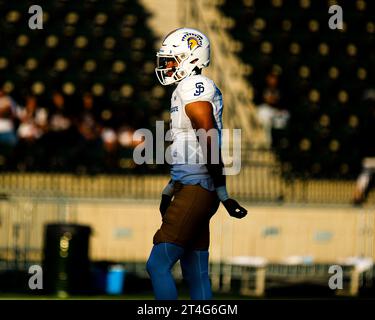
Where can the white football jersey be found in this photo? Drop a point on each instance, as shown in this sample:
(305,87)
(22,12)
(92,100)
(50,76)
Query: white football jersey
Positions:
(185,148)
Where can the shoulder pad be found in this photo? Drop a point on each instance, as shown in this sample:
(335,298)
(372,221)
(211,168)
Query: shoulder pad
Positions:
(196,88)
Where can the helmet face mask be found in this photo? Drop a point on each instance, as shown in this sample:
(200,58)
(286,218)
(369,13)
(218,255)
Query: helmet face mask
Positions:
(166,74)
(182,51)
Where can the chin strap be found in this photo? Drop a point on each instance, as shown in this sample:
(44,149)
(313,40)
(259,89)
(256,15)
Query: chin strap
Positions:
(196,71)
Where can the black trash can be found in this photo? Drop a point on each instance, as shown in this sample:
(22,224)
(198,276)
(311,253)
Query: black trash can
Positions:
(66,264)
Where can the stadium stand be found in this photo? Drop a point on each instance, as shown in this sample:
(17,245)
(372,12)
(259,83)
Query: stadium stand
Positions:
(79,87)
(324,78)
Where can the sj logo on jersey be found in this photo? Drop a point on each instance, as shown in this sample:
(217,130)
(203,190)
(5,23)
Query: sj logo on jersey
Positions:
(200,88)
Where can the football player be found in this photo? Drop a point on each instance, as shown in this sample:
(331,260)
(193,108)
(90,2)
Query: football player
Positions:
(196,188)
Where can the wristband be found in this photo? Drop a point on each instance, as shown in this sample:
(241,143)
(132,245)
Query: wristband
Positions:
(222,193)
(169,189)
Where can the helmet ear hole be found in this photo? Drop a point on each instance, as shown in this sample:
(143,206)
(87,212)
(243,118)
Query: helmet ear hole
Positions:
(194,61)
(182,73)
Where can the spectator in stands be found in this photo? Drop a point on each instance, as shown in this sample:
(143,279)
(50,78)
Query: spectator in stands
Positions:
(273,118)
(125,136)
(89,111)
(33,120)
(8,137)
(89,148)
(8,109)
(365,180)
(61,135)
(125,139)
(111,150)
(270,81)
(33,124)
(59,119)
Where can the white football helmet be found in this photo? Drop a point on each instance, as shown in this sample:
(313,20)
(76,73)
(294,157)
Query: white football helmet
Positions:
(190,48)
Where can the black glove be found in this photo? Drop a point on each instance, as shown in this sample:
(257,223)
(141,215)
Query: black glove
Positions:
(164,203)
(234,209)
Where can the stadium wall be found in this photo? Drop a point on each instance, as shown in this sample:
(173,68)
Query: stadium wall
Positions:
(123,229)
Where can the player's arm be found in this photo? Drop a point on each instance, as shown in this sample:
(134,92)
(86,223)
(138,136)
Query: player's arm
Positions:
(201,116)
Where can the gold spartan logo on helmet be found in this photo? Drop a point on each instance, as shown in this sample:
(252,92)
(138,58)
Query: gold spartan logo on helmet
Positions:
(192,42)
